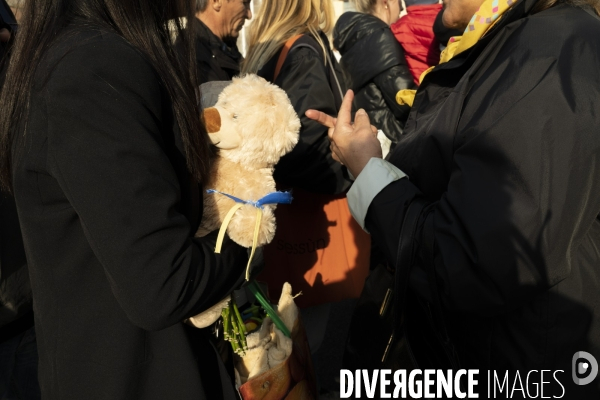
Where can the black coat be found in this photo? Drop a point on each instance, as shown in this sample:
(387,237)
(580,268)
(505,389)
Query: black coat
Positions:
(215,59)
(374,68)
(309,84)
(106,210)
(509,132)
(16,302)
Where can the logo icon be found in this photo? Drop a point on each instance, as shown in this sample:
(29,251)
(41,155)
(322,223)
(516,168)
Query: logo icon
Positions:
(584,364)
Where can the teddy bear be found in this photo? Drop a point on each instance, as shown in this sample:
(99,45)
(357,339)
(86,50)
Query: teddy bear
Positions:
(253,124)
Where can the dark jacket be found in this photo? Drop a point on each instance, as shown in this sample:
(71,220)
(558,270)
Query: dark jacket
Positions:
(375,69)
(215,59)
(509,130)
(107,214)
(16,302)
(309,84)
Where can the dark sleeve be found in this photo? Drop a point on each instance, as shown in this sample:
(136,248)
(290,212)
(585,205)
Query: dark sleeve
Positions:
(105,146)
(524,190)
(378,98)
(370,98)
(390,82)
(310,165)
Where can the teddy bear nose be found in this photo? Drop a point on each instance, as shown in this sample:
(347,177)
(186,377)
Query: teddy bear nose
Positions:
(212,120)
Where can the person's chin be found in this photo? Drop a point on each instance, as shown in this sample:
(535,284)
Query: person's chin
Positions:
(452,22)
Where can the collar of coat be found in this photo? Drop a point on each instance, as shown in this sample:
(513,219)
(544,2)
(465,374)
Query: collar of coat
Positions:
(205,35)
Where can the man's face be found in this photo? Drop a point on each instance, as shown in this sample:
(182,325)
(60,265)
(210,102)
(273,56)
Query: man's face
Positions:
(233,15)
(458,13)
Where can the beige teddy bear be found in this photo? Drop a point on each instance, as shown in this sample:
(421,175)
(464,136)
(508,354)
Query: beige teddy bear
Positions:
(253,124)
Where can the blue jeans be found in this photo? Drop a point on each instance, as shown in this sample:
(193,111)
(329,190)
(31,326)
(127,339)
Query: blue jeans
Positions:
(18,367)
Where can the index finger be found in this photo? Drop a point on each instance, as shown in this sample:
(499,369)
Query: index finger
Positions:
(345,113)
(321,117)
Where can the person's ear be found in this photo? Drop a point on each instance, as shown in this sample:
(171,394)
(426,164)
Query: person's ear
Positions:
(384,3)
(216,4)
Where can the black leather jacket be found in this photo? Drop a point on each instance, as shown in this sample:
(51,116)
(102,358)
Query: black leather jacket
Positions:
(375,68)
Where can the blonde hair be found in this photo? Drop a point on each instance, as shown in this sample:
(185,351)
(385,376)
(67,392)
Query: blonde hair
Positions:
(365,6)
(279,20)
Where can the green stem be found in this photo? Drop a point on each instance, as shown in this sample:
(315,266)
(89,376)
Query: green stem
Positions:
(260,296)
(240,336)
(226,322)
(239,319)
(233,327)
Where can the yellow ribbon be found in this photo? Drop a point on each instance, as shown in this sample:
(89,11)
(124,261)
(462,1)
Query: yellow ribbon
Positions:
(223,229)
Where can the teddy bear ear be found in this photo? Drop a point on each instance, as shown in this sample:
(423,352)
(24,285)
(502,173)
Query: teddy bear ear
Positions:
(212,119)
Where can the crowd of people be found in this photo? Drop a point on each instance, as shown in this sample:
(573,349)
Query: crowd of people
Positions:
(465,137)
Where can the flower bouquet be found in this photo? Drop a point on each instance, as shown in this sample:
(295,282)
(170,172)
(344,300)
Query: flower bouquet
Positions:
(272,356)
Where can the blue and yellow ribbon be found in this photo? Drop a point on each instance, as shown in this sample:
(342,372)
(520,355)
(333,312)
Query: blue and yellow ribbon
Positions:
(271,198)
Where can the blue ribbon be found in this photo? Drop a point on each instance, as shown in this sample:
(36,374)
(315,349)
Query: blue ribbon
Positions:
(271,198)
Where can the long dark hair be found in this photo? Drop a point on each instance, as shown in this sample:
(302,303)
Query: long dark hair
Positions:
(144,24)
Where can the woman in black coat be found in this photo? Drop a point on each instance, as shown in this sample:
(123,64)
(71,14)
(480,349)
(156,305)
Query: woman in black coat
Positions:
(374,64)
(310,82)
(103,148)
(508,201)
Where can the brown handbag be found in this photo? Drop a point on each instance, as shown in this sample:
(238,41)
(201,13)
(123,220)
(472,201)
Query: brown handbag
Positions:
(318,248)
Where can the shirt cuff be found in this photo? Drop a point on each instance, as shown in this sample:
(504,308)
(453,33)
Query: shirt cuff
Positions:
(376,175)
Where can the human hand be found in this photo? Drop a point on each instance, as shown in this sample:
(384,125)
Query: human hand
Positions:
(4,35)
(351,144)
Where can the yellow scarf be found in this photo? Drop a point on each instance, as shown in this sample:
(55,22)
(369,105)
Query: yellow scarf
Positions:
(485,17)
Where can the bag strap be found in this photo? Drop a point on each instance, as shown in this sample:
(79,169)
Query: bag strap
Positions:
(335,78)
(332,75)
(283,55)
(285,51)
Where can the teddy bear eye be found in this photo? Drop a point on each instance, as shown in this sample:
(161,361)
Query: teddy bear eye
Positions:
(235,116)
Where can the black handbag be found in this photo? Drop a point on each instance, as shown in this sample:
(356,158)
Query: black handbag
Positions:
(391,328)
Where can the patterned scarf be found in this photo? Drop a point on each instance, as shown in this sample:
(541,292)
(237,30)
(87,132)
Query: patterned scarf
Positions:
(485,17)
